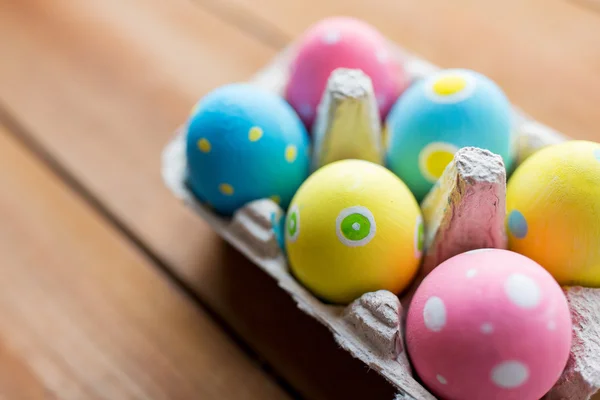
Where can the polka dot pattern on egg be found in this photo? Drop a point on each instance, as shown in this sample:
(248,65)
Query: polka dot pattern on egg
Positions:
(434,314)
(517,225)
(436,116)
(419,236)
(255,133)
(341,42)
(448,85)
(290,153)
(292,228)
(523,291)
(332,37)
(434,158)
(478,251)
(204,145)
(553,200)
(357,232)
(226,189)
(355,226)
(452,86)
(486,328)
(510,374)
(238,145)
(471,273)
(489,299)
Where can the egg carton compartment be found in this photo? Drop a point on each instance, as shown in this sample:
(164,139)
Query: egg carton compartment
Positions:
(472,189)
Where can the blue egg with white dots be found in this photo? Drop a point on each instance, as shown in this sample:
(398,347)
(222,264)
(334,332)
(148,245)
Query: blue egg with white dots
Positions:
(245,143)
(438,115)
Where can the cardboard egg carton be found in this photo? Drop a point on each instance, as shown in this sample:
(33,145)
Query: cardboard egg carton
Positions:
(464,211)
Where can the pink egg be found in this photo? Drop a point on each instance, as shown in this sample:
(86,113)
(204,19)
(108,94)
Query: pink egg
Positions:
(342,42)
(489,324)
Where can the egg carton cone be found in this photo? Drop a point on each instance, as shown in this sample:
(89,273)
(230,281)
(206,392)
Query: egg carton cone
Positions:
(348,109)
(472,188)
(465,210)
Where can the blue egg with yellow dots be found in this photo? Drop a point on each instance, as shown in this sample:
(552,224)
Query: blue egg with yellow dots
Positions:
(245,143)
(438,115)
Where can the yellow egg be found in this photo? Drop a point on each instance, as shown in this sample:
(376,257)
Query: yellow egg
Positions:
(553,211)
(353,227)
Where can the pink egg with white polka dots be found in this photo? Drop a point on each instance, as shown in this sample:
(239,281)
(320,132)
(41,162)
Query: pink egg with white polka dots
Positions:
(489,324)
(342,42)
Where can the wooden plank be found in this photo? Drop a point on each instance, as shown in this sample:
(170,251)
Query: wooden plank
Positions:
(85,316)
(101,87)
(545,54)
(591,5)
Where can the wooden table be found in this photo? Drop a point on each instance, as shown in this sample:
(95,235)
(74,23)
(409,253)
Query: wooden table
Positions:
(109,287)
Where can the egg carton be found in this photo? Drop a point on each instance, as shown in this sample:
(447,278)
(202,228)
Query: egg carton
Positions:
(464,211)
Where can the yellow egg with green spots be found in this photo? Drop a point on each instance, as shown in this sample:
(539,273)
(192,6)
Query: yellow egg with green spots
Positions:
(353,227)
(553,211)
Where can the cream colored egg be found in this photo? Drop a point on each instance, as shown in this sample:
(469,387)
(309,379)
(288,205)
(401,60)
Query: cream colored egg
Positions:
(353,227)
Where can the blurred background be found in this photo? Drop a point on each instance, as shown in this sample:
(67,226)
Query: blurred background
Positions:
(109,287)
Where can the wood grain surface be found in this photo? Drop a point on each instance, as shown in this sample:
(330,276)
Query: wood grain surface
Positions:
(544,53)
(85,315)
(102,106)
(96,88)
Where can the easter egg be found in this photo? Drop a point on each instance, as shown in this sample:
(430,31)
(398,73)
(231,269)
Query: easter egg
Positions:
(440,114)
(489,324)
(341,42)
(553,211)
(353,227)
(243,144)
